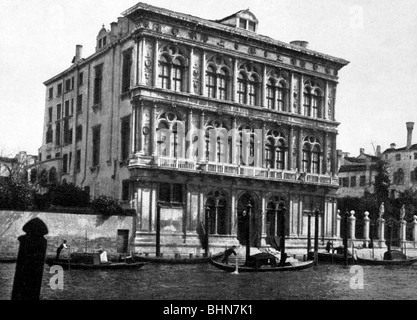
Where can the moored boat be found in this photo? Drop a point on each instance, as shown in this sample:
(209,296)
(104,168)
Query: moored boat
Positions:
(175,260)
(91,261)
(390,258)
(288,266)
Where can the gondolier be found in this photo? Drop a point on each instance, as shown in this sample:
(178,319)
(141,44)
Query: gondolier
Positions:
(228,253)
(60,248)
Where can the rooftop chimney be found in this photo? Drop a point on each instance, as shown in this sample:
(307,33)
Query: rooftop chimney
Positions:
(392,145)
(300,43)
(378,151)
(78,53)
(361,151)
(114,29)
(410,126)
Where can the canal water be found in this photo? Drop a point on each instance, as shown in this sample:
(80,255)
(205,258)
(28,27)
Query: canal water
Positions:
(205,282)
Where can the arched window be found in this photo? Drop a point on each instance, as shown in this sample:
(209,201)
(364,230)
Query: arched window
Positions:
(253,90)
(313,99)
(177,77)
(223,83)
(275,150)
(306,158)
(172,65)
(211,82)
(311,151)
(307,101)
(241,88)
(218,142)
(43,178)
(270,94)
(414,175)
(281,96)
(279,156)
(164,72)
(248,82)
(316,104)
(33,175)
(163,139)
(219,218)
(315,160)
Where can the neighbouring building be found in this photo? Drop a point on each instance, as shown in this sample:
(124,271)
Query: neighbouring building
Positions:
(211,120)
(357,174)
(402,164)
(20,166)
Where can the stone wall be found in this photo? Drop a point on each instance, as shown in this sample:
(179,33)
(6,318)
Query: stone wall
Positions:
(80,230)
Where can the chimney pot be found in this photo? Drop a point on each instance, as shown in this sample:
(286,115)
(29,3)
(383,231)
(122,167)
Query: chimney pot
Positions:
(393,145)
(300,43)
(410,126)
(78,52)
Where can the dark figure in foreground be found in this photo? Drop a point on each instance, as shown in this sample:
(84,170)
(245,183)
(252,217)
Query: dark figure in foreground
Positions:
(329,246)
(228,253)
(62,246)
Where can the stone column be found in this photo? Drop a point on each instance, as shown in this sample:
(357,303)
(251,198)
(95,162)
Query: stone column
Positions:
(234,142)
(301,94)
(234,84)
(263,142)
(300,150)
(201,140)
(189,135)
(263,89)
(334,155)
(325,151)
(263,219)
(291,93)
(203,74)
(366,227)
(134,128)
(155,62)
(153,136)
(403,225)
(139,128)
(290,148)
(381,228)
(190,71)
(325,109)
(233,213)
(415,229)
(352,221)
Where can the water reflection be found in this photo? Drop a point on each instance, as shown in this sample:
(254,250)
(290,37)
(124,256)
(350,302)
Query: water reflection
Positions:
(202,282)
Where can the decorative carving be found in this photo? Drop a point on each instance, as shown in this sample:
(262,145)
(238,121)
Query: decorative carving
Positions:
(315,67)
(146,131)
(192,35)
(335,72)
(175,31)
(327,70)
(145,24)
(157,27)
(221,43)
(266,53)
(295,94)
(279,58)
(252,50)
(204,37)
(148,67)
(302,64)
(236,46)
(196,76)
(293,61)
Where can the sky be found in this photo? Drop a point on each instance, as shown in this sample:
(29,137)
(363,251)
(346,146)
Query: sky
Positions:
(375,96)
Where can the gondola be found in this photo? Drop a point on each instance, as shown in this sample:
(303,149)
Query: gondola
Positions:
(67,264)
(173,260)
(391,258)
(289,266)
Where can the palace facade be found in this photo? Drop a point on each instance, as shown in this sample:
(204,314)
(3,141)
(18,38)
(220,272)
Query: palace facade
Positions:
(207,118)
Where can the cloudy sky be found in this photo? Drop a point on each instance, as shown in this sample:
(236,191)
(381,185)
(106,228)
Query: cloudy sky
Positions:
(375,94)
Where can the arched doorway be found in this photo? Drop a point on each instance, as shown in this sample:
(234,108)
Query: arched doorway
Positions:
(275,219)
(254,224)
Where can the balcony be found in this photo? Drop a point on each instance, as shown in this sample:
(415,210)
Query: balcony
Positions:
(229,169)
